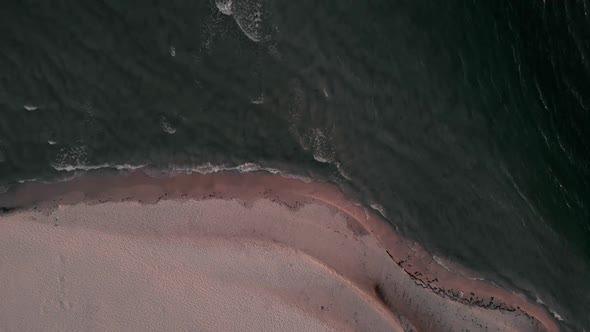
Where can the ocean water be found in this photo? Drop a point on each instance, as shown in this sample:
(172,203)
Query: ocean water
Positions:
(463,122)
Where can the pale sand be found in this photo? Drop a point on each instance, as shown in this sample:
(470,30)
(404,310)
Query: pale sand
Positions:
(227,252)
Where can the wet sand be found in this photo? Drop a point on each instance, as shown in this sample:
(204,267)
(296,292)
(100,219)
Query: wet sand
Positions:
(228,252)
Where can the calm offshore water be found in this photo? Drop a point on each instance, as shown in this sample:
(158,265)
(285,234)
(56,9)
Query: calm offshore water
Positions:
(464,122)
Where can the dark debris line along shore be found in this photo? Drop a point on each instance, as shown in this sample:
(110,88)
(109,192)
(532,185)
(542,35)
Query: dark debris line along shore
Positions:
(456,296)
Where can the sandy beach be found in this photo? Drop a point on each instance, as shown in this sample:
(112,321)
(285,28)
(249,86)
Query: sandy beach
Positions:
(228,252)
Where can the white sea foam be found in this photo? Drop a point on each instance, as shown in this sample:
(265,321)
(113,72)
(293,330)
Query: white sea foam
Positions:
(379,208)
(70,168)
(250,15)
(166,126)
(314,140)
(318,157)
(318,143)
(440,262)
(224,6)
(208,168)
(27,180)
(475,278)
(553,312)
(343,172)
(70,157)
(259,100)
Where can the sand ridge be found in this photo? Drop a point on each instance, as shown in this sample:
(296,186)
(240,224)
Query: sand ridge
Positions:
(392,281)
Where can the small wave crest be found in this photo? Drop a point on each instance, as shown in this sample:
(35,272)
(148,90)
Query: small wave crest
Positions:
(379,208)
(343,172)
(440,262)
(553,312)
(206,168)
(166,126)
(319,144)
(224,6)
(71,168)
(252,17)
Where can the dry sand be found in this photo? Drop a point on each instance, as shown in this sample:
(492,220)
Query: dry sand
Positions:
(227,252)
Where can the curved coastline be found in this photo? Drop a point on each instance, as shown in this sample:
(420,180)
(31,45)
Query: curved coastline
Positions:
(411,268)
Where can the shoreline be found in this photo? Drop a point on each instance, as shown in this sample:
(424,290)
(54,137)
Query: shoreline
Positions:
(453,285)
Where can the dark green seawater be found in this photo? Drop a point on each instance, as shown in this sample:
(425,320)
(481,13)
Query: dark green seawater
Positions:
(465,122)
